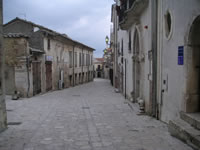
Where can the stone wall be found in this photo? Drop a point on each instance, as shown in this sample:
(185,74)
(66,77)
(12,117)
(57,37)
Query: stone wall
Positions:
(3,120)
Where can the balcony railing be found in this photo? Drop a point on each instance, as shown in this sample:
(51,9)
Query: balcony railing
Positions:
(129,11)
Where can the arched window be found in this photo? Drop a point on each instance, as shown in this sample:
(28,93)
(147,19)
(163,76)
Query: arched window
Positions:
(136,43)
(168,24)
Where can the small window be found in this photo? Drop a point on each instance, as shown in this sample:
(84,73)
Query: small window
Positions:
(70,59)
(118,48)
(75,59)
(129,42)
(122,48)
(168,24)
(83,59)
(80,60)
(48,44)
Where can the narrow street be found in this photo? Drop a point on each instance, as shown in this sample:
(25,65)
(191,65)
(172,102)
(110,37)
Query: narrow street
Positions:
(86,117)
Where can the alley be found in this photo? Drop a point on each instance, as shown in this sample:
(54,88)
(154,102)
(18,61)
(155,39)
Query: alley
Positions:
(87,117)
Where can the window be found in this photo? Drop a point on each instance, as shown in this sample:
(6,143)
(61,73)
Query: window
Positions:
(91,60)
(83,59)
(75,59)
(87,59)
(129,42)
(70,80)
(118,48)
(80,59)
(48,44)
(168,24)
(70,59)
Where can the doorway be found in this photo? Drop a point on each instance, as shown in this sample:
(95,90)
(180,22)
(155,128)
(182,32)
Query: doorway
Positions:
(193,80)
(36,66)
(136,66)
(48,76)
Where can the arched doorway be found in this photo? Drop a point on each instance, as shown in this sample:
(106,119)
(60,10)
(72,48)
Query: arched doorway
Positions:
(193,79)
(136,66)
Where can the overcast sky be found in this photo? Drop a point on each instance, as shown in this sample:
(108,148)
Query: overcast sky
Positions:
(87,21)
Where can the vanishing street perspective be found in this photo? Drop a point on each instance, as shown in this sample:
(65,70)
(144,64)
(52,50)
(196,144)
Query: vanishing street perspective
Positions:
(100,75)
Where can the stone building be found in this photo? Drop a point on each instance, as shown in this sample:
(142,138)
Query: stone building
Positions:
(156,47)
(99,67)
(54,60)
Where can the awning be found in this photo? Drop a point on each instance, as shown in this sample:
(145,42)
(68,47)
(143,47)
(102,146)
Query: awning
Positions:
(36,50)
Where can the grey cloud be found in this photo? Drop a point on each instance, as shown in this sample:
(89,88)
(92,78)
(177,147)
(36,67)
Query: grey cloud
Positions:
(85,20)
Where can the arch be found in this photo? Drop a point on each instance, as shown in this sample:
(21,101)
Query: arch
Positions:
(136,65)
(193,68)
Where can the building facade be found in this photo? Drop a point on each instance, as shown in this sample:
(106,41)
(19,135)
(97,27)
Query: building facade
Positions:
(54,60)
(156,58)
(99,67)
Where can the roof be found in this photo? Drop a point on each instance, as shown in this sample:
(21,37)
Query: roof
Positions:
(49,30)
(99,59)
(15,35)
(34,50)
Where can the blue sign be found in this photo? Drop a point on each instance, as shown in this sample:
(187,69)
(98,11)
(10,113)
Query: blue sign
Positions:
(180,55)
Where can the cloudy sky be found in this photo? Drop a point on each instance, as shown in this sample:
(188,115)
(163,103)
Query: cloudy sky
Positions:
(87,21)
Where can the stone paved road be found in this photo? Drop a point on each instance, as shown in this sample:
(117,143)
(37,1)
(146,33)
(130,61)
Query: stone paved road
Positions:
(86,117)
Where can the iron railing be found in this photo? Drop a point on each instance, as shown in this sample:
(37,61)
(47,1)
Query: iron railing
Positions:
(125,5)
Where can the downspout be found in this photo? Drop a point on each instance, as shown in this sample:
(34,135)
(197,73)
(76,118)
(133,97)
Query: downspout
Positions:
(154,56)
(116,52)
(82,66)
(73,64)
(27,67)
(125,78)
(88,63)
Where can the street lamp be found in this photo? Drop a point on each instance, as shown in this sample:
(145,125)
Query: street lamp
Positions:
(107,39)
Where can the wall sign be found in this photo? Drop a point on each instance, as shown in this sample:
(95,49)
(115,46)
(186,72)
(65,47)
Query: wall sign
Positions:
(180,55)
(49,58)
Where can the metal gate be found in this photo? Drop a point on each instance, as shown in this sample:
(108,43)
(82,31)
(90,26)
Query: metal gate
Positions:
(36,66)
(48,76)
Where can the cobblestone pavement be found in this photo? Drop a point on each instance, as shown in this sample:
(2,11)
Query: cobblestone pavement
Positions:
(87,117)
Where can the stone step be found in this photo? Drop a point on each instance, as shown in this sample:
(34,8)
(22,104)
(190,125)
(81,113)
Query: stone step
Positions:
(185,132)
(192,118)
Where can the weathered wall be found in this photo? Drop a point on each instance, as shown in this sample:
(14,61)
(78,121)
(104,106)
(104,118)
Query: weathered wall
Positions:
(59,52)
(174,97)
(36,40)
(58,55)
(10,79)
(36,36)
(16,71)
(145,70)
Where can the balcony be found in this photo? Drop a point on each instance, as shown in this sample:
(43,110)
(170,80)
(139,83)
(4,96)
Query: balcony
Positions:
(129,12)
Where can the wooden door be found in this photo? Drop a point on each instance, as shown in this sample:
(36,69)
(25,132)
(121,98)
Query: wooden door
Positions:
(36,66)
(48,76)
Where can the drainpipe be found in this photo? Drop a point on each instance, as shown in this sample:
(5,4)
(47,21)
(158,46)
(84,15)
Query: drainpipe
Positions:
(82,66)
(27,67)
(125,78)
(88,63)
(154,56)
(73,64)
